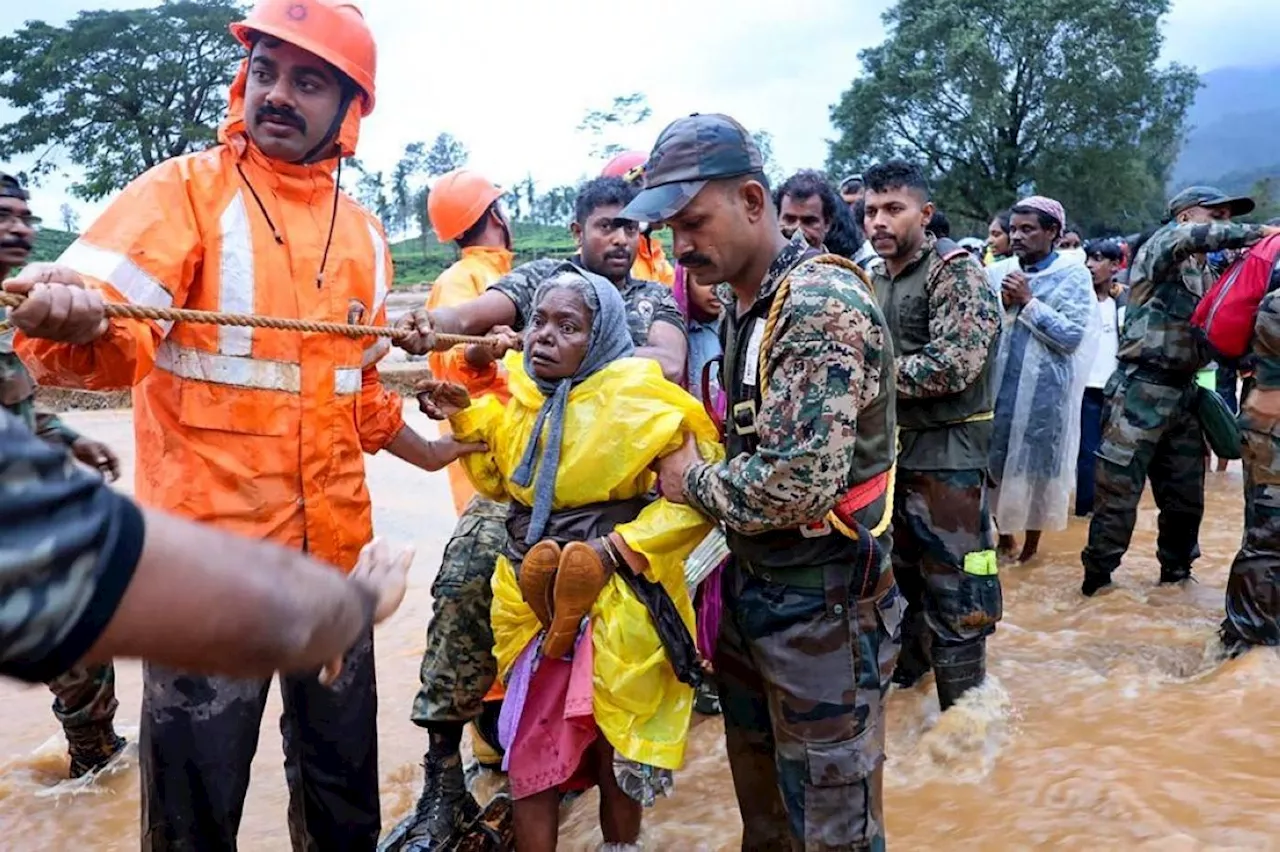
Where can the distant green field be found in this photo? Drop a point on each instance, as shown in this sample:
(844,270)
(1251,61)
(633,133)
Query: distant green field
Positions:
(416,262)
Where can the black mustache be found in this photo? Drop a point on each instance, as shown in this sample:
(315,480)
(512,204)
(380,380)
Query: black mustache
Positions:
(693,260)
(17,243)
(618,255)
(285,116)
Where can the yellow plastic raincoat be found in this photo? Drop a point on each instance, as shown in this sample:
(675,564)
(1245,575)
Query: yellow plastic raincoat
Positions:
(617,423)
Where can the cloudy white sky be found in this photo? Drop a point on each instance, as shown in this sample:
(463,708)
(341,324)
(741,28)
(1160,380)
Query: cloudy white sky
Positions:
(513,78)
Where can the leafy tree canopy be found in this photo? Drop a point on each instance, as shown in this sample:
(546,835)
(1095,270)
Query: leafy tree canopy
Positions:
(998,99)
(118,91)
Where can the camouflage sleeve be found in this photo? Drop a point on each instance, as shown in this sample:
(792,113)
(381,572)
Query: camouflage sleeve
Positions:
(665,308)
(52,428)
(964,317)
(1175,245)
(1266,343)
(824,368)
(68,549)
(520,284)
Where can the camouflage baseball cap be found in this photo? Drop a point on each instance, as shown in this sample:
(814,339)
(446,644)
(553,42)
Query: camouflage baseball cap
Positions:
(1209,196)
(688,154)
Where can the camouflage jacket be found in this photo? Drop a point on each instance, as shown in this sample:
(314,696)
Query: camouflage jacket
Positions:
(1168,277)
(945,323)
(647,301)
(17,395)
(68,549)
(828,364)
(963,319)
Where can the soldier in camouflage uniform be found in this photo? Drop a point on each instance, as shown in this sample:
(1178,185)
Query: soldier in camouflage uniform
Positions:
(1252,602)
(1151,427)
(945,323)
(812,617)
(84,697)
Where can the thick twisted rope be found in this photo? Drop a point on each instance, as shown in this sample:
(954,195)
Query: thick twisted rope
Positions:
(113,309)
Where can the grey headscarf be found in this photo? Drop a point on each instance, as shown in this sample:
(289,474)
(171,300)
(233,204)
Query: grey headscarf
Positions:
(609,340)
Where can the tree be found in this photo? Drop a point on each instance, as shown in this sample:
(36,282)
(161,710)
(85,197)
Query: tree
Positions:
(405,186)
(555,206)
(995,98)
(371,191)
(772,169)
(603,125)
(118,92)
(70,218)
(446,154)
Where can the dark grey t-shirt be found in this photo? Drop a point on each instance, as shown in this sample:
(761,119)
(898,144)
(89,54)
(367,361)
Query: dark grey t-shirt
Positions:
(647,301)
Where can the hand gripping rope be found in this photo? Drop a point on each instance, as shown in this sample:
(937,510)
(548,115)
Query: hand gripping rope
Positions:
(139,312)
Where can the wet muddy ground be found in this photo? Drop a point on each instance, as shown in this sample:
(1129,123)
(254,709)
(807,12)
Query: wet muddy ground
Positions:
(1106,723)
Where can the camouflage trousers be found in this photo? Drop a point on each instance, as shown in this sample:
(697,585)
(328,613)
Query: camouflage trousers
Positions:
(458,667)
(197,743)
(85,695)
(944,555)
(1150,430)
(1253,587)
(803,675)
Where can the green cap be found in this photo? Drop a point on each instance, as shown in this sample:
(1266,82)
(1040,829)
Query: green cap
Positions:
(1209,196)
(688,154)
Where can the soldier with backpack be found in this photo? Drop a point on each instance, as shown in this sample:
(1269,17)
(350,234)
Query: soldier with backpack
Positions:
(944,321)
(1152,426)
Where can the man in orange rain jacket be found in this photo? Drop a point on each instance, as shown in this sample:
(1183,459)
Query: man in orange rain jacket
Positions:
(254,430)
(651,261)
(458,670)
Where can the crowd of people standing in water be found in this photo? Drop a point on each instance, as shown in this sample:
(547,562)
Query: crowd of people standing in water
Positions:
(766,480)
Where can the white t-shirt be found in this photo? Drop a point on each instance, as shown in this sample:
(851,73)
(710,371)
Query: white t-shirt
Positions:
(1104,363)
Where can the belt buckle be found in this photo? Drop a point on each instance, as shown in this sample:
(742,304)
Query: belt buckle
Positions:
(816,530)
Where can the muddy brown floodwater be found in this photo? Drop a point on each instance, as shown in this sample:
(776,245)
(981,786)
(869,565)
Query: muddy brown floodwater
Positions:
(1105,723)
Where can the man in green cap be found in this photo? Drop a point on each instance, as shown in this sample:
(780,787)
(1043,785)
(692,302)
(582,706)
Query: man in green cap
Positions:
(1151,427)
(812,617)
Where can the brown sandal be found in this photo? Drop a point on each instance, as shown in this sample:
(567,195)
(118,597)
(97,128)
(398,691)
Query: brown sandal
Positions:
(581,578)
(537,578)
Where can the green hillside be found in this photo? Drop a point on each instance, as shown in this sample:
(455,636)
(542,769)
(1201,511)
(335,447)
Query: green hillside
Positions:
(417,262)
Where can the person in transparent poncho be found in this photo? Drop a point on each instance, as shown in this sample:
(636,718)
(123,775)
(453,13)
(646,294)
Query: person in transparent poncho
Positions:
(1045,354)
(592,621)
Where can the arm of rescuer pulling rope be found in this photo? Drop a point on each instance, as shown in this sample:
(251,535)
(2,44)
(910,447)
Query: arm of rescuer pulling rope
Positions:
(139,312)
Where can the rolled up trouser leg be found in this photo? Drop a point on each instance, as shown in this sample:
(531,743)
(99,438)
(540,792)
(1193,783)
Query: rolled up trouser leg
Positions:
(959,668)
(1253,586)
(458,666)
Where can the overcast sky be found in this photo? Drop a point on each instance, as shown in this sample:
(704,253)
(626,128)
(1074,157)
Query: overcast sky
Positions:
(513,78)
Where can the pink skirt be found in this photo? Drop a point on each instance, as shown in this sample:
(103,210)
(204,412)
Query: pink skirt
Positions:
(556,726)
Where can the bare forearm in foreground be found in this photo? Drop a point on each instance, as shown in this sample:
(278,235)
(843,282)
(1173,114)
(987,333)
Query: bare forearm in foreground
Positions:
(207,601)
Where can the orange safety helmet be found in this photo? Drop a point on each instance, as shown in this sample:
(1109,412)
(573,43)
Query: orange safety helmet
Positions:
(457,200)
(628,165)
(333,30)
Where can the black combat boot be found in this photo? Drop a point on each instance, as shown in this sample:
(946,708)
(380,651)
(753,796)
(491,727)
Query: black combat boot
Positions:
(1094,582)
(1175,575)
(957,669)
(445,808)
(92,747)
(913,659)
